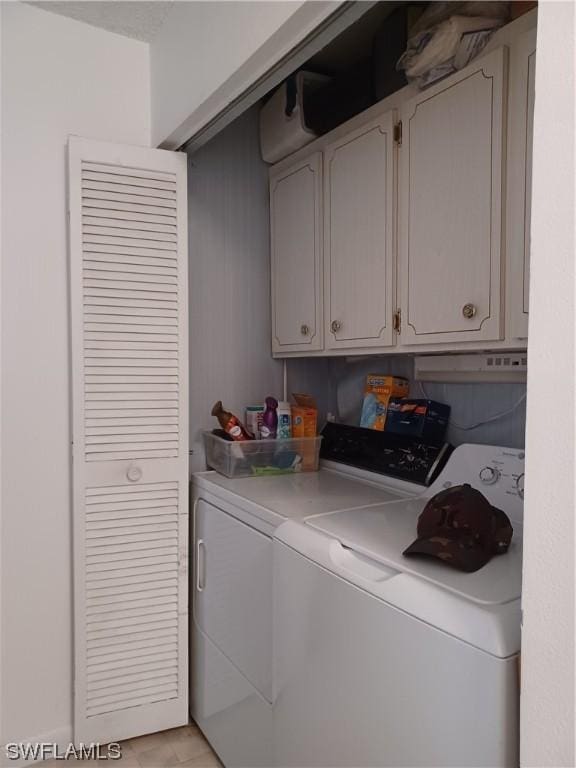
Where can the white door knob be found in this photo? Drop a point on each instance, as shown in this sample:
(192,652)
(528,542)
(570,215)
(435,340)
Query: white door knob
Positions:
(134,473)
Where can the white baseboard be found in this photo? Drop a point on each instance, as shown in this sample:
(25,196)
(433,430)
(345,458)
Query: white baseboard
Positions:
(62,737)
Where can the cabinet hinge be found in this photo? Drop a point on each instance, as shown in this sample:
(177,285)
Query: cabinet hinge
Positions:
(397,321)
(398,133)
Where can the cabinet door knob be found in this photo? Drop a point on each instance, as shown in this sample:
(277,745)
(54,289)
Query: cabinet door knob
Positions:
(335,326)
(304,330)
(134,473)
(469,310)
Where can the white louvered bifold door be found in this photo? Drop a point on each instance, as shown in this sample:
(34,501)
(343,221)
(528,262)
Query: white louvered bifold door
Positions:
(128,267)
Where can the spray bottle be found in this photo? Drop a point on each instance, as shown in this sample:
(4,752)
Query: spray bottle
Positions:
(269,426)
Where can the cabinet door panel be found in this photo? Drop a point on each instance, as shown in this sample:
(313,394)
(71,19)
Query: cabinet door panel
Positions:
(521,117)
(450,207)
(358,193)
(296,245)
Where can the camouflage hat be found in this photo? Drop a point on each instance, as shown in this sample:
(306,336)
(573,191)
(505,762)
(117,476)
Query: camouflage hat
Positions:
(460,527)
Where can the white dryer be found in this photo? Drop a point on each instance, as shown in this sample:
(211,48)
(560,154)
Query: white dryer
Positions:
(231,619)
(382,660)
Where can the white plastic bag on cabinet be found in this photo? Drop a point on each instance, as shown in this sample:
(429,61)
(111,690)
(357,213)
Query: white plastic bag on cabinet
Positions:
(437,52)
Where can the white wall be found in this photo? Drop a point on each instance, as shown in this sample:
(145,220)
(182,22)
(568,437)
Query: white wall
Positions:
(547,704)
(59,77)
(207,53)
(470,403)
(229,273)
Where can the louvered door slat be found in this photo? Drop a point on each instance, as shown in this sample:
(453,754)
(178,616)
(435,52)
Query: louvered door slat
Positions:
(132,420)
(137,583)
(110,705)
(157,666)
(139,269)
(129,338)
(97,180)
(152,677)
(98,521)
(135,387)
(135,353)
(115,493)
(125,249)
(120,222)
(109,512)
(106,343)
(130,430)
(109,599)
(154,525)
(129,237)
(91,204)
(140,359)
(122,655)
(152,378)
(137,260)
(127,195)
(140,309)
(100,175)
(123,336)
(112,284)
(121,438)
(119,273)
(128,384)
(120,170)
(127,416)
(111,215)
(129,640)
(114,292)
(142,241)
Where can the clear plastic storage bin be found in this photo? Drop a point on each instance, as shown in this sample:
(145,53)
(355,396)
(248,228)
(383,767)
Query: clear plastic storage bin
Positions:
(252,458)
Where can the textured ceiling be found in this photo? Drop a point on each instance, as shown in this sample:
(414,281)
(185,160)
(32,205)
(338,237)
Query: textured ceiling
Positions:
(132,18)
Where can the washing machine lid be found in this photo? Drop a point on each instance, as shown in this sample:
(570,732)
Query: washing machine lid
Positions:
(382,532)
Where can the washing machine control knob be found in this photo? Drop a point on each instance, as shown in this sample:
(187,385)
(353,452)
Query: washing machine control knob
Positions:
(489,475)
(520,485)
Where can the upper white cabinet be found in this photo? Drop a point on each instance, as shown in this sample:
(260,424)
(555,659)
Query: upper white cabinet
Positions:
(450,207)
(296,248)
(408,228)
(358,236)
(521,116)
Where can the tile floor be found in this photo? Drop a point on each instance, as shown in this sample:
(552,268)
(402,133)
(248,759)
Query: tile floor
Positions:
(183,747)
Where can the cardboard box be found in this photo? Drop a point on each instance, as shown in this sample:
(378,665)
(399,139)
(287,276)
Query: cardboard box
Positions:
(305,424)
(378,391)
(424,419)
(304,416)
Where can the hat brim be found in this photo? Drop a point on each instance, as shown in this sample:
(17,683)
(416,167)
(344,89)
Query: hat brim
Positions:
(450,552)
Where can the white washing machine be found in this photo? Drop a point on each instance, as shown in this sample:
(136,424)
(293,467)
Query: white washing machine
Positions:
(382,660)
(232,677)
